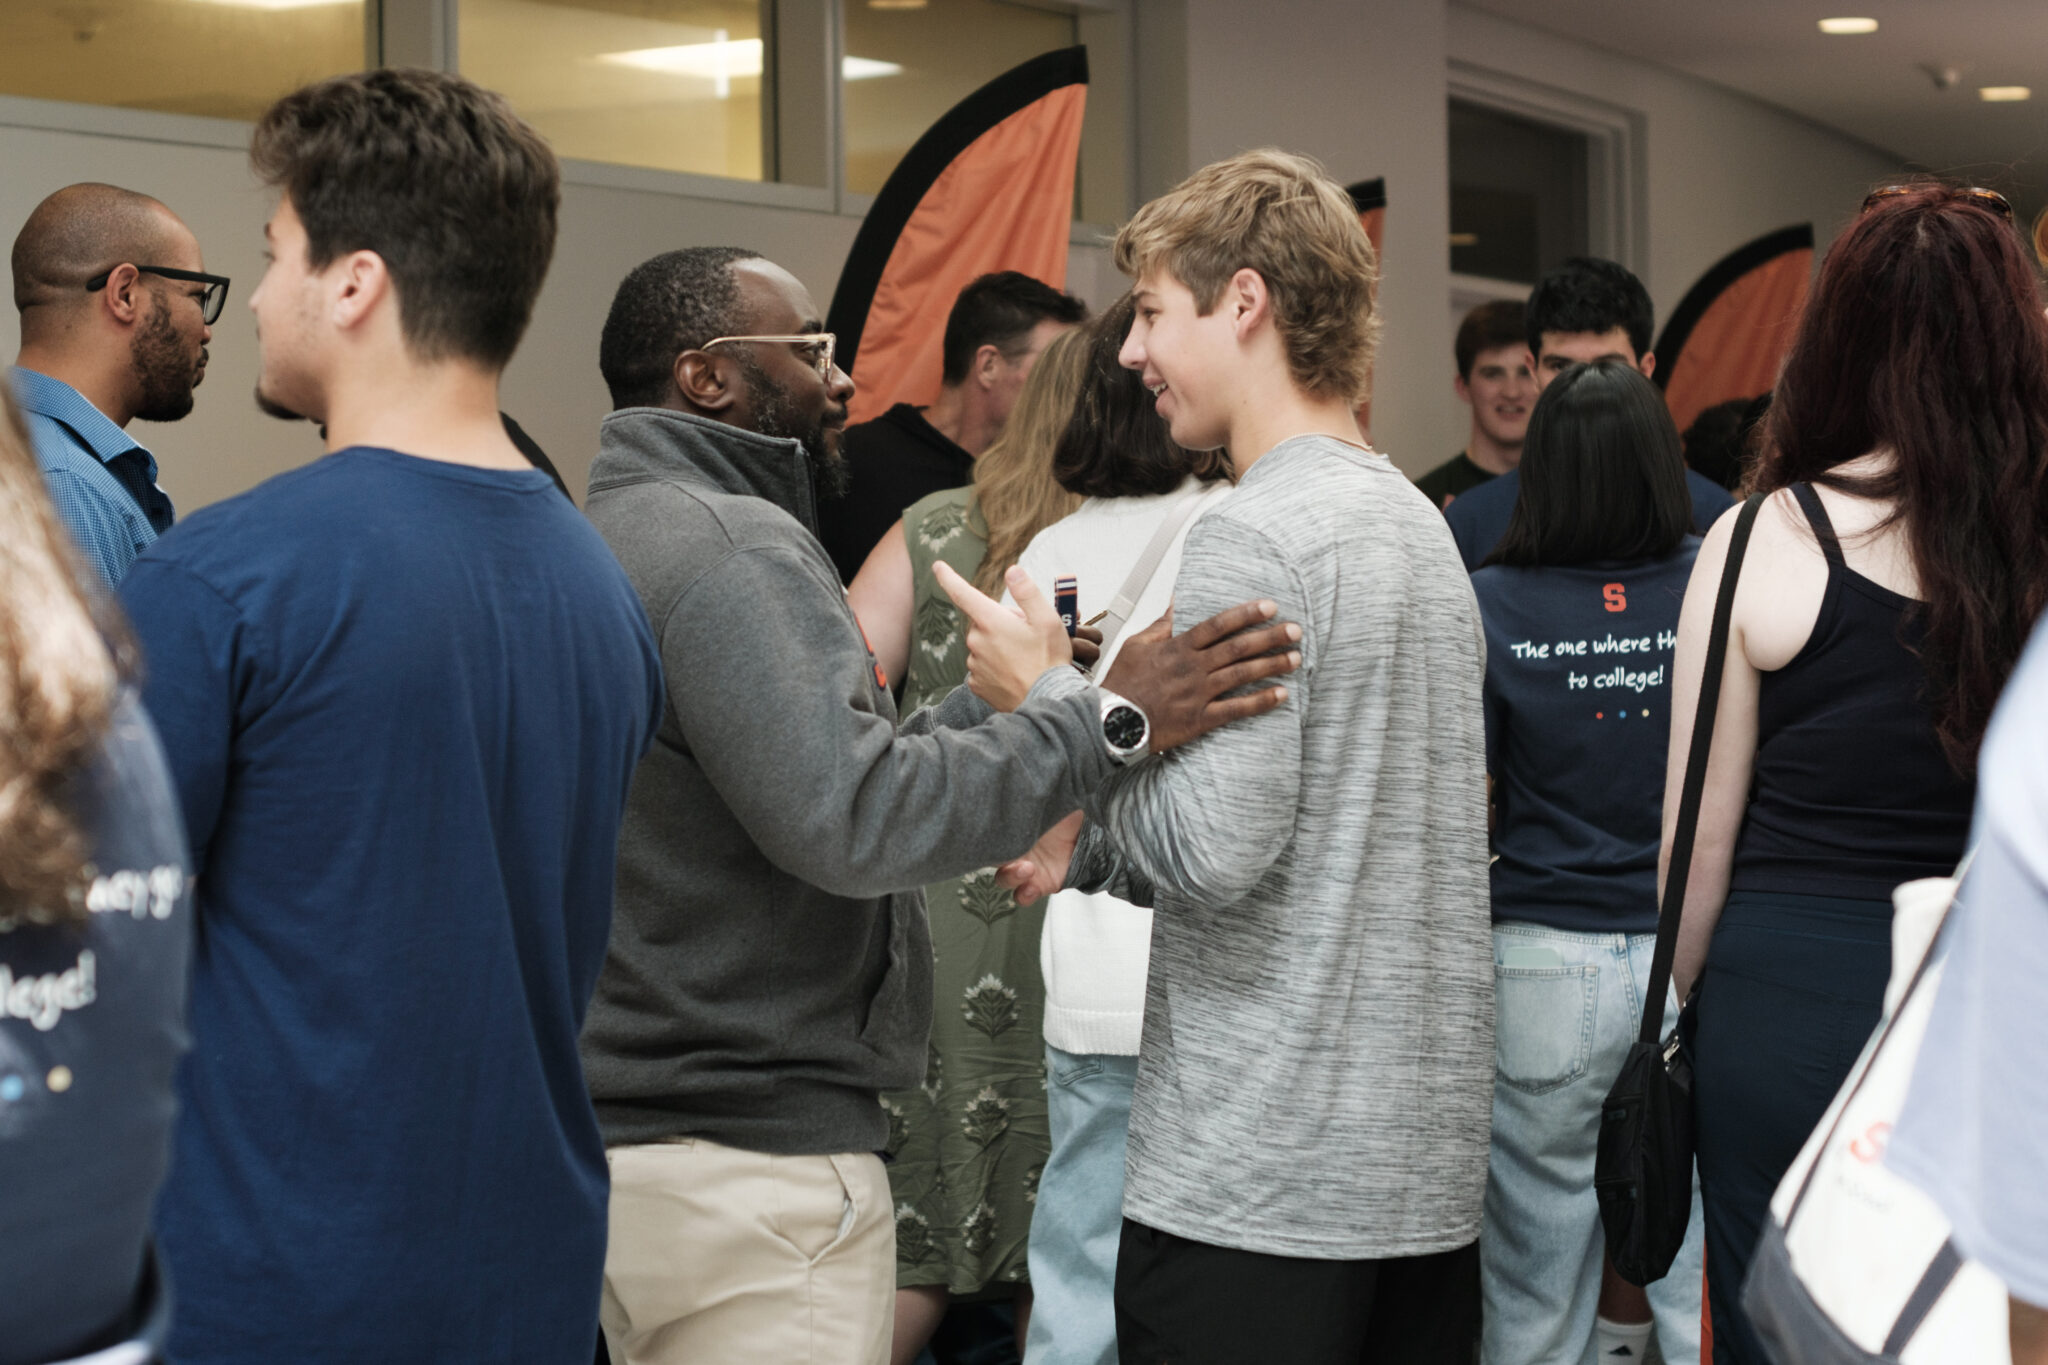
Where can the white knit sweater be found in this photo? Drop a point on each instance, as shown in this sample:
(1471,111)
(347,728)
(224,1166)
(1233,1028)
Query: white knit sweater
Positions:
(1096,947)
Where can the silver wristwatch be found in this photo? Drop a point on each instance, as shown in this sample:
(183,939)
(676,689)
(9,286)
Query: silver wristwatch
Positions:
(1126,733)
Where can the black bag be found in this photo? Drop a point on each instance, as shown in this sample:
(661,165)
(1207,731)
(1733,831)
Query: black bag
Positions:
(1642,1173)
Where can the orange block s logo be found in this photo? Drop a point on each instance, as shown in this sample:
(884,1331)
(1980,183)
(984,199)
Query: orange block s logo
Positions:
(1616,595)
(1869,1148)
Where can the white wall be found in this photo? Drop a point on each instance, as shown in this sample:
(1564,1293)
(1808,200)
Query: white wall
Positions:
(1358,83)
(553,387)
(1724,169)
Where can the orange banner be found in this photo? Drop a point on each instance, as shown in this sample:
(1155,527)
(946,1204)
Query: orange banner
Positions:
(990,187)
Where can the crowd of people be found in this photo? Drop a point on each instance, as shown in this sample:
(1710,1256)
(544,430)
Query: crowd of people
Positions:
(1104,845)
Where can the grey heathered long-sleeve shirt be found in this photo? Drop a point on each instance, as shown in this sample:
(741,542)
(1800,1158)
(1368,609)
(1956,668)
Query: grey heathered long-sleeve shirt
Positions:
(1316,1076)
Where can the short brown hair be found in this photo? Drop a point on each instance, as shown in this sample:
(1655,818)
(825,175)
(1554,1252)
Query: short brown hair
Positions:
(1281,215)
(437,176)
(1489,327)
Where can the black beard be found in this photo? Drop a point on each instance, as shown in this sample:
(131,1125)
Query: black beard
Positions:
(166,375)
(775,415)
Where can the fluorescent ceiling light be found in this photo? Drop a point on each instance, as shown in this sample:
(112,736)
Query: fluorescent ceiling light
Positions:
(1848,26)
(277,4)
(867,68)
(2003,94)
(726,60)
(897,4)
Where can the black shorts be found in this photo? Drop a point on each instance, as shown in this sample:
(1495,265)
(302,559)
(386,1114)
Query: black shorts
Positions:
(1180,1302)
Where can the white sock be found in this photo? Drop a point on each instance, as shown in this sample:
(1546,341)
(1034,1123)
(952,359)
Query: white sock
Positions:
(1620,1340)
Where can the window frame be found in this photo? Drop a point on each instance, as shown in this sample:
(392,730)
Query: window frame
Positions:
(809,131)
(1617,171)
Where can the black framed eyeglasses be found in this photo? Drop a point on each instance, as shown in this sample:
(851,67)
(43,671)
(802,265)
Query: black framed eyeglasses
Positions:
(210,303)
(820,344)
(1977,194)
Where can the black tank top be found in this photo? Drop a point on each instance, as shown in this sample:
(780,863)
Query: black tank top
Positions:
(1851,794)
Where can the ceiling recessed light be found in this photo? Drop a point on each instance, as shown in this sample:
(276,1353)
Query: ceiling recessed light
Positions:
(2003,94)
(1846,25)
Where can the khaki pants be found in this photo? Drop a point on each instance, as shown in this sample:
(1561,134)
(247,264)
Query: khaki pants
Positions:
(718,1256)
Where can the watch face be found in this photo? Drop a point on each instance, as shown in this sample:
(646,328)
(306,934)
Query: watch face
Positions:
(1124,727)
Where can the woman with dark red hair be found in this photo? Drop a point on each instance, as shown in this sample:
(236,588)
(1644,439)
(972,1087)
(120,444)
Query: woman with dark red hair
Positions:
(1891,582)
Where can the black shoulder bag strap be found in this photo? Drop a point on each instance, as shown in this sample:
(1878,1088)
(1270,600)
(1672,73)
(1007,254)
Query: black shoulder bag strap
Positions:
(1680,866)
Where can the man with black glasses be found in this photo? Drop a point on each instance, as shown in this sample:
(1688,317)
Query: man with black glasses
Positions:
(116,310)
(770,971)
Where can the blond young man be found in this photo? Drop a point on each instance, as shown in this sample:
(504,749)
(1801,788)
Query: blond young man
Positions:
(1309,1133)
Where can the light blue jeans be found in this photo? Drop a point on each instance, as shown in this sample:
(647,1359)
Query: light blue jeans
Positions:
(1567,1007)
(1079,1217)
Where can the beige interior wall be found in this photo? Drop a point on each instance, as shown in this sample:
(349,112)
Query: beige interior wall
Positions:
(1358,83)
(553,387)
(1724,169)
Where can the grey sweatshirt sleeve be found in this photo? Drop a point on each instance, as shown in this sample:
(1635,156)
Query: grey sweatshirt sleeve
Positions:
(1207,820)
(773,689)
(959,709)
(1096,865)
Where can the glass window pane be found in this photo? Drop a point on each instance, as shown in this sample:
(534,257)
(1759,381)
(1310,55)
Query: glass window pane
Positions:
(909,61)
(1519,194)
(672,84)
(218,58)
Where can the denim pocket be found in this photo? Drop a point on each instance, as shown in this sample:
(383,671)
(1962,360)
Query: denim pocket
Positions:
(1070,1069)
(1543,1031)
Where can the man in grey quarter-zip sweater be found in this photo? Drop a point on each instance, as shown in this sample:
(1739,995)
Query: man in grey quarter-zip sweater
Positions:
(769,974)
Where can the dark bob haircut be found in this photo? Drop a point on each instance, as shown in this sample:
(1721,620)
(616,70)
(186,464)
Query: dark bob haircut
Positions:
(440,178)
(1115,445)
(1601,474)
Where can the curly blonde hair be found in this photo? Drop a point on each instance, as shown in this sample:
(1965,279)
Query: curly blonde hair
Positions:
(1015,494)
(1281,215)
(59,677)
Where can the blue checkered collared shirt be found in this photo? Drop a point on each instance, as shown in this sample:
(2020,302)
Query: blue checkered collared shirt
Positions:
(101,479)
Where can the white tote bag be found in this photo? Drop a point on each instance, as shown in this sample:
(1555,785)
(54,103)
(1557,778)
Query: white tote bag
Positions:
(1855,1264)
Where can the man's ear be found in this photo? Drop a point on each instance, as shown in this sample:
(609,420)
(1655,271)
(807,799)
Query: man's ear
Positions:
(1251,305)
(124,295)
(988,365)
(700,382)
(1647,363)
(1461,388)
(359,282)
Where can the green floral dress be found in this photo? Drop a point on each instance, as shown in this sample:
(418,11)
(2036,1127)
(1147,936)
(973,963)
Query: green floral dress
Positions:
(967,1147)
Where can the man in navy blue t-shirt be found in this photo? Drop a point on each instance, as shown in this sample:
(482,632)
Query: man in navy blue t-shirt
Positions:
(402,691)
(1585,310)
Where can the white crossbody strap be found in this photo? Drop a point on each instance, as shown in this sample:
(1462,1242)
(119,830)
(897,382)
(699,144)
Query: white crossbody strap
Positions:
(1126,600)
